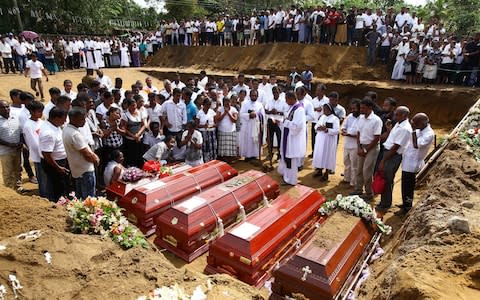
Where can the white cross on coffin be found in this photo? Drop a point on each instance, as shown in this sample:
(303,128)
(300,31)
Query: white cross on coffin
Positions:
(306,270)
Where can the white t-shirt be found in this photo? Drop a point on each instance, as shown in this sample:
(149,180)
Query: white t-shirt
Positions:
(36,68)
(368,20)
(400,135)
(319,103)
(368,128)
(74,141)
(72,95)
(31,132)
(50,140)
(101,110)
(154,113)
(359,22)
(226,125)
(206,118)
(46,110)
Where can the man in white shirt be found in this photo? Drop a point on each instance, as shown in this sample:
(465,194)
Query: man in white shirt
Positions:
(10,146)
(104,80)
(202,83)
(421,140)
(53,155)
(177,83)
(35,69)
(279,16)
(241,85)
(67,89)
(275,110)
(81,159)
(349,133)
(294,131)
(369,128)
(398,139)
(174,114)
(21,53)
(318,102)
(6,51)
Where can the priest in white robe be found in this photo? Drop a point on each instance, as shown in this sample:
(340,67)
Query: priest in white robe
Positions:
(294,140)
(252,116)
(325,153)
(305,99)
(90,56)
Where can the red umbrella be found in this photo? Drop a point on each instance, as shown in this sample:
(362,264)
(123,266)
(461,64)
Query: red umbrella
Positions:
(29,34)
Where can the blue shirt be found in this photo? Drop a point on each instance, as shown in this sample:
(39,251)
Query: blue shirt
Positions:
(192,111)
(262,22)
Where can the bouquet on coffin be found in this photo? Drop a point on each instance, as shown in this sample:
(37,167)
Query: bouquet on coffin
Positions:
(155,167)
(103,217)
(357,207)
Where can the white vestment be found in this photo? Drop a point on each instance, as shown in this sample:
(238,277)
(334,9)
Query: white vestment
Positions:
(249,137)
(399,66)
(124,59)
(295,143)
(325,154)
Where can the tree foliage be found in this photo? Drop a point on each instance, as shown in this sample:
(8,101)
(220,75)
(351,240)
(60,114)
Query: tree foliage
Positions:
(67,16)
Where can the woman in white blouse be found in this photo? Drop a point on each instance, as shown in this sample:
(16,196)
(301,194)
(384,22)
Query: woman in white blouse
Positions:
(206,125)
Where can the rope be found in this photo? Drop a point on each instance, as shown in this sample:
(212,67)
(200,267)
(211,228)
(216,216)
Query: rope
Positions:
(265,199)
(221,230)
(240,206)
(219,174)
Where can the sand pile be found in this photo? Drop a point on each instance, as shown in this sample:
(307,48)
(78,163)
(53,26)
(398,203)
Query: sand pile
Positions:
(429,258)
(335,228)
(87,267)
(324,61)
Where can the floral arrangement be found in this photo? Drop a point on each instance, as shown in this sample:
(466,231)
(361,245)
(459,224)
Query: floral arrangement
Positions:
(133,174)
(174,292)
(357,207)
(155,167)
(103,217)
(471,137)
(165,171)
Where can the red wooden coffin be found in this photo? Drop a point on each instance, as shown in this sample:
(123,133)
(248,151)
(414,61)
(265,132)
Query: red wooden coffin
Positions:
(188,227)
(147,201)
(321,266)
(118,190)
(250,250)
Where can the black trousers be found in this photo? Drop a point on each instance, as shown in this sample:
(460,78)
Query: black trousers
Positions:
(26,163)
(76,60)
(408,188)
(273,129)
(314,136)
(106,59)
(8,64)
(58,185)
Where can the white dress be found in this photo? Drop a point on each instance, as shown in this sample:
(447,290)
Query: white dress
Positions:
(91,58)
(325,154)
(249,137)
(399,66)
(296,144)
(124,57)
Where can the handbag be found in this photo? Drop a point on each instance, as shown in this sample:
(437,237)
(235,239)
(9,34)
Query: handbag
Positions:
(378,183)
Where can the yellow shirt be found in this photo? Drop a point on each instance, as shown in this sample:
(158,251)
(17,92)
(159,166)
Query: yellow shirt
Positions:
(220,26)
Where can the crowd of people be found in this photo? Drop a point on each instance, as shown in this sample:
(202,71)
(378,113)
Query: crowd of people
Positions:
(414,50)
(82,140)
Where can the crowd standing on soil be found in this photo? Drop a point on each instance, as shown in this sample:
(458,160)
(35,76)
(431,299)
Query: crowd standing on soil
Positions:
(84,137)
(414,50)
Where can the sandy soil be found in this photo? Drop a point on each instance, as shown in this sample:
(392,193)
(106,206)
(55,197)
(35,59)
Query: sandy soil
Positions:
(425,259)
(326,62)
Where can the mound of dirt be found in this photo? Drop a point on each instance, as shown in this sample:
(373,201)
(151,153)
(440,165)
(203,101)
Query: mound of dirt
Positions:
(426,259)
(87,267)
(324,61)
